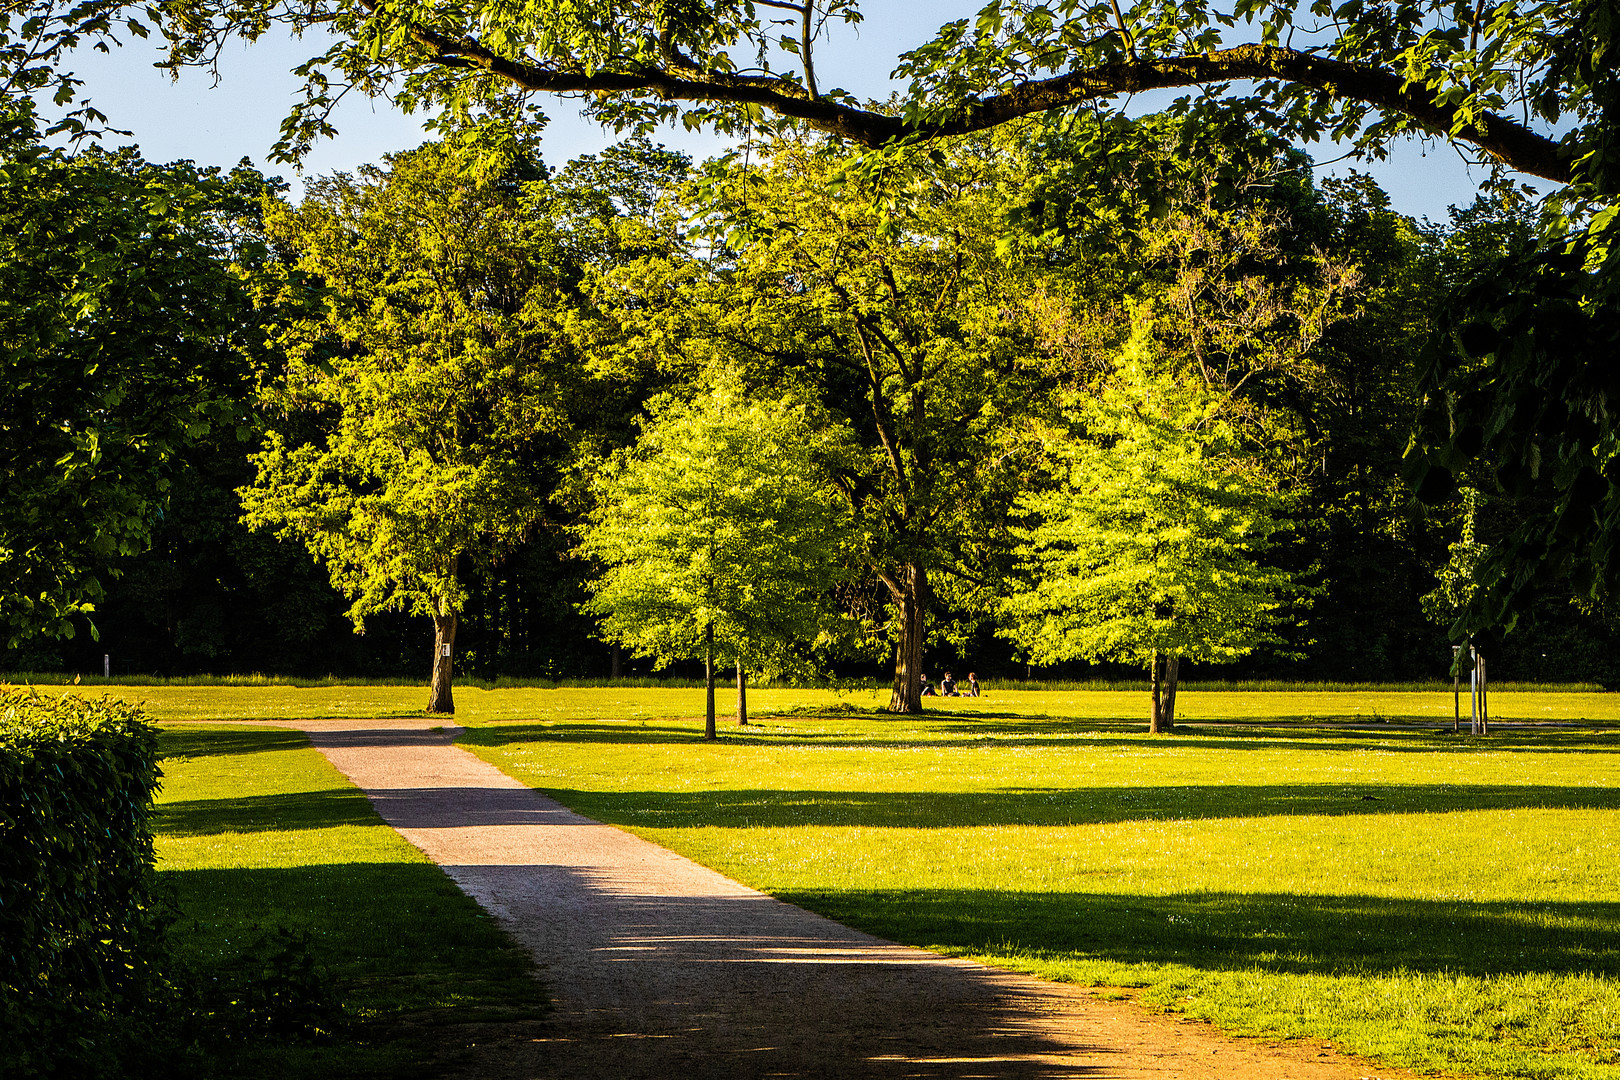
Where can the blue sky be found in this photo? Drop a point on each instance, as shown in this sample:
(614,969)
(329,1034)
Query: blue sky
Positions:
(240,117)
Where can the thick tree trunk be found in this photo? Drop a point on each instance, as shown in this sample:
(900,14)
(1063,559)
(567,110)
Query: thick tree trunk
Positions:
(708,671)
(616,670)
(1166,670)
(742,693)
(440,699)
(908,654)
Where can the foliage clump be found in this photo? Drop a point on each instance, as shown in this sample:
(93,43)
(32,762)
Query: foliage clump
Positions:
(90,985)
(81,923)
(718,531)
(1148,548)
(127,333)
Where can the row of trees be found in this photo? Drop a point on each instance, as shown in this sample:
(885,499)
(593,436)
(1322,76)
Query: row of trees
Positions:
(1110,389)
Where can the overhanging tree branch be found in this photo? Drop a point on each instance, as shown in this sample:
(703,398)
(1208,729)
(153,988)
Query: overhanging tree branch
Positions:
(1505,140)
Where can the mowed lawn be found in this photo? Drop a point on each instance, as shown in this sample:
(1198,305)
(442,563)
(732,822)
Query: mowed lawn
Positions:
(1431,900)
(259,835)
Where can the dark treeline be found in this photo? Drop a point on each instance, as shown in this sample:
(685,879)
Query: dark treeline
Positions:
(209,595)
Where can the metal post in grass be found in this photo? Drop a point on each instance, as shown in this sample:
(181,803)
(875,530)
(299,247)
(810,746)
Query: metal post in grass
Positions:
(1484,698)
(106,665)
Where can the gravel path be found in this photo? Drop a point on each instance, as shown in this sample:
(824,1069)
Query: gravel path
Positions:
(661,968)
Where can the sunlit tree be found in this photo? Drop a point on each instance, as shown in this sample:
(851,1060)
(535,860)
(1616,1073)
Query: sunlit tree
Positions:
(719,534)
(1147,549)
(432,378)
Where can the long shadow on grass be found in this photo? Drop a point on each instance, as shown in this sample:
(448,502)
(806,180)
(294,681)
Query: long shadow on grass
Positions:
(1070,733)
(265,813)
(1057,806)
(177,742)
(1287,933)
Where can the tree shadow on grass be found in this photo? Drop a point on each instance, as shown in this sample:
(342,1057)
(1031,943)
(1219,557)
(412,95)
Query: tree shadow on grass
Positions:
(179,742)
(265,813)
(764,808)
(1284,933)
(1028,732)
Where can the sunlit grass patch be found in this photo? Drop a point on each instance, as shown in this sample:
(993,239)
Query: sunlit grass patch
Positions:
(258,832)
(1432,900)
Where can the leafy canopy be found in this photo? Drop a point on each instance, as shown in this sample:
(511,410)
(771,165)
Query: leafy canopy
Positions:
(430,382)
(1148,544)
(720,525)
(1355,70)
(128,332)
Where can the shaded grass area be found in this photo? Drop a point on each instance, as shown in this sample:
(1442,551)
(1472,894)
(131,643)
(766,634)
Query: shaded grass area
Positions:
(258,834)
(1432,901)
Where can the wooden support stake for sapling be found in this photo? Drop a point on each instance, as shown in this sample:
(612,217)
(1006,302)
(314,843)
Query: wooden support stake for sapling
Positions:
(1457,690)
(1473,692)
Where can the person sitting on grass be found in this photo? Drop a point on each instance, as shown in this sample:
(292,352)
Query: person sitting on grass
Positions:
(927,687)
(972,685)
(947,686)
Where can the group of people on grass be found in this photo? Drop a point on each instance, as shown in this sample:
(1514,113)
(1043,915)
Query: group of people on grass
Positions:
(948,688)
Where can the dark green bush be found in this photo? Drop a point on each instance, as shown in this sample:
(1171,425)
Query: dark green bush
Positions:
(81,927)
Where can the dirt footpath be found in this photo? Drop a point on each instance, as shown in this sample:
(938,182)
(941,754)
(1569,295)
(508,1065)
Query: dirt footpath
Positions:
(661,968)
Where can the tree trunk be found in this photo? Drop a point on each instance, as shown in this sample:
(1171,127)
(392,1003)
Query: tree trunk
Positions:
(616,670)
(708,672)
(742,693)
(444,641)
(908,654)
(1153,681)
(1161,721)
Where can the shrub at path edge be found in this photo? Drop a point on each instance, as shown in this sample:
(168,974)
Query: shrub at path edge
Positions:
(81,926)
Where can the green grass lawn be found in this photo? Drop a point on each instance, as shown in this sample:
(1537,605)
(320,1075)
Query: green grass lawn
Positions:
(1432,901)
(257,832)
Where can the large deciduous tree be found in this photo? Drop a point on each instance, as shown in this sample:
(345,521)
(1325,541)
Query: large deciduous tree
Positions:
(127,333)
(890,299)
(1147,547)
(1521,391)
(718,534)
(436,377)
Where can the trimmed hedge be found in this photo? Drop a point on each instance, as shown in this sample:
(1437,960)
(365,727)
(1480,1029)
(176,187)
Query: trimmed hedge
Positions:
(81,930)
